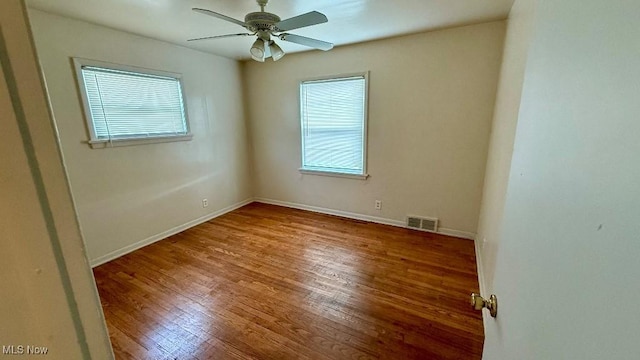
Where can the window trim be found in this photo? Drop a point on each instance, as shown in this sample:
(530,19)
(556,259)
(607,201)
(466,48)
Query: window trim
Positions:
(96,143)
(328,78)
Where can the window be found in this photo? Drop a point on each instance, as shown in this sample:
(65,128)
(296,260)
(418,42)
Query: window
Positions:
(334,125)
(126,105)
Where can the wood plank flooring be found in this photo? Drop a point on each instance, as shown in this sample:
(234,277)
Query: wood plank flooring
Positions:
(268,282)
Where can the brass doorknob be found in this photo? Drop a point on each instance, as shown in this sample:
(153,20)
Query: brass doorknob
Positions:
(478,303)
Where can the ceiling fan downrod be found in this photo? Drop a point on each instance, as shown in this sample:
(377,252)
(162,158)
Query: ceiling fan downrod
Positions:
(262,4)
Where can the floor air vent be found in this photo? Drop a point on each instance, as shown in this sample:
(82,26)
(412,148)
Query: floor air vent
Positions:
(421,223)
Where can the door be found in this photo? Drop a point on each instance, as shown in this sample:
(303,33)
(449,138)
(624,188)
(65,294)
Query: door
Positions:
(568,261)
(48,301)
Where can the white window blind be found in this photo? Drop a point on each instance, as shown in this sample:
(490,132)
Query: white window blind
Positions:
(333,116)
(130,105)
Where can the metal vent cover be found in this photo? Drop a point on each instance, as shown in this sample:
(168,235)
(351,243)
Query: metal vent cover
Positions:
(413,222)
(422,223)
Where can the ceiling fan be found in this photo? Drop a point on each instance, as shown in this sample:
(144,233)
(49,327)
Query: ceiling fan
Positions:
(264,25)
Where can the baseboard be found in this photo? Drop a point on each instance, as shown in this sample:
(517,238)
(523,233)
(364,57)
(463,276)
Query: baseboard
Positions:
(480,267)
(165,234)
(481,282)
(322,210)
(457,233)
(356,216)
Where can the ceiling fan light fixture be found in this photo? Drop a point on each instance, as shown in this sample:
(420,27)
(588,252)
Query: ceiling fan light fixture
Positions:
(257,50)
(276,51)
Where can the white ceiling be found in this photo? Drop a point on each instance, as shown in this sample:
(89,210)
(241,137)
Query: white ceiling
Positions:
(350,21)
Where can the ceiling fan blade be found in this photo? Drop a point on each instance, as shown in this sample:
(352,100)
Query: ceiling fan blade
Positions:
(219,36)
(220,16)
(300,21)
(317,44)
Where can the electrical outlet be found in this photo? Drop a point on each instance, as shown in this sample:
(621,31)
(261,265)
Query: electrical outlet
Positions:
(205,203)
(378,205)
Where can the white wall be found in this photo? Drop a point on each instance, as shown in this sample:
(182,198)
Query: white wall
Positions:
(131,195)
(48,297)
(503,129)
(431,100)
(567,266)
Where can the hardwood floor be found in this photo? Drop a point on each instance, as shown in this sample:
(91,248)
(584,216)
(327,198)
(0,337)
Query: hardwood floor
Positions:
(267,282)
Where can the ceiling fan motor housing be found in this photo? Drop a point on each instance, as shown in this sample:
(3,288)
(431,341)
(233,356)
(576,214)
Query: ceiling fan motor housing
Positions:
(261,21)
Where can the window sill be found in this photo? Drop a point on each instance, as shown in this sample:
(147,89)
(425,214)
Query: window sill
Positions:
(101,144)
(334,174)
